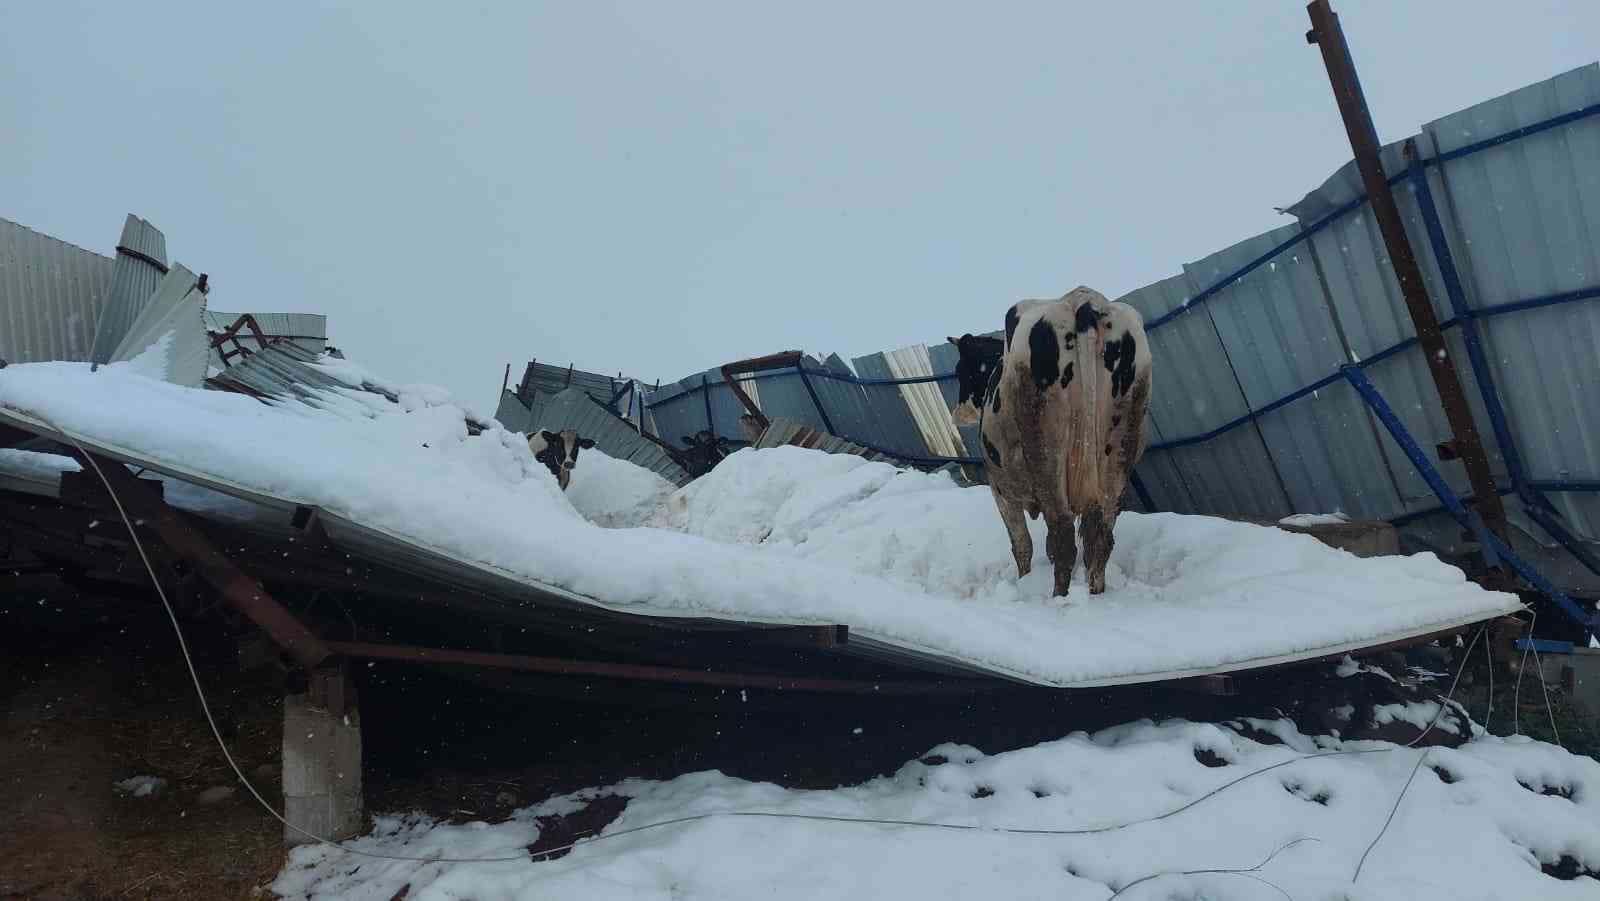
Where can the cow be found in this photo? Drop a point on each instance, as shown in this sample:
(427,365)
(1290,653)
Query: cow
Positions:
(1060,403)
(558,451)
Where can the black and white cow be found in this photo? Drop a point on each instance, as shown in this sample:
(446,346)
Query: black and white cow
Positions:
(1061,403)
(558,451)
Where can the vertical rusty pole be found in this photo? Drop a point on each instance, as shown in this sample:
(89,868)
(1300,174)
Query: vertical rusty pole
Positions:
(1329,37)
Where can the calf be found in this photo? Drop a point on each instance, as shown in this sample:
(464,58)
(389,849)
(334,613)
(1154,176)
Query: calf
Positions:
(1060,403)
(558,451)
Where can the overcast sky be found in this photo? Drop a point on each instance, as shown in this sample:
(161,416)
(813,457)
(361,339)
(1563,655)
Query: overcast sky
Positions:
(664,187)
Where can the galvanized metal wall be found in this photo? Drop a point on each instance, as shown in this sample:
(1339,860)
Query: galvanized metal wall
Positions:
(134,278)
(574,408)
(51,295)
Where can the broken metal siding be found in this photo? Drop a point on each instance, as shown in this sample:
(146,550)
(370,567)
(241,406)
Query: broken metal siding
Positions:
(134,278)
(576,409)
(51,295)
(1524,219)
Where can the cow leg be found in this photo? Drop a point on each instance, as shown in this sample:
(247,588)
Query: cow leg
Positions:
(1062,546)
(1017,528)
(1097,544)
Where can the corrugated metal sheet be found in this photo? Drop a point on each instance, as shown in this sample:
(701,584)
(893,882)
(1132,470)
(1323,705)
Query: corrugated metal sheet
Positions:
(309,331)
(283,370)
(544,379)
(576,409)
(1232,473)
(174,316)
(1279,336)
(133,282)
(893,424)
(51,294)
(925,401)
(1525,219)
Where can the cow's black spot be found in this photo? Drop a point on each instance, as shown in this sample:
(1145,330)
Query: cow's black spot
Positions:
(1066,374)
(1087,318)
(1119,362)
(991,451)
(1044,354)
(1012,317)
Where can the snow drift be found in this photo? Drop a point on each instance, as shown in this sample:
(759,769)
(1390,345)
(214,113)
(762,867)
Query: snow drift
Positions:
(1490,820)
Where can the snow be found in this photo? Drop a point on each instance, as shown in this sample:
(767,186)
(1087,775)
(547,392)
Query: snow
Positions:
(1314,519)
(614,493)
(154,360)
(1482,835)
(35,466)
(140,786)
(785,535)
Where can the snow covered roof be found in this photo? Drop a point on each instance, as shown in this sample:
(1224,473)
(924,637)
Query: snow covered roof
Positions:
(916,567)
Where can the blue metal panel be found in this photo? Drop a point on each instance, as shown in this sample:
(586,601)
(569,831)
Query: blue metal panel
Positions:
(1493,547)
(1280,337)
(1526,213)
(1232,473)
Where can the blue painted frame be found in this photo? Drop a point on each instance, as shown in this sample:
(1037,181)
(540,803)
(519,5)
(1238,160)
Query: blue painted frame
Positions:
(1494,549)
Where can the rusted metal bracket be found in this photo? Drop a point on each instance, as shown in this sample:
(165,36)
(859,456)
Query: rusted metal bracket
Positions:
(231,333)
(187,543)
(1327,34)
(787,359)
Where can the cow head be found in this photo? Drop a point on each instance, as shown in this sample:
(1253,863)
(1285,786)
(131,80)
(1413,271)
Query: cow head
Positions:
(979,358)
(558,451)
(703,451)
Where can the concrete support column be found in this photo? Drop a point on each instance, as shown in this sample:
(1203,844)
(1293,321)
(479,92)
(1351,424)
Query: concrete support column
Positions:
(322,759)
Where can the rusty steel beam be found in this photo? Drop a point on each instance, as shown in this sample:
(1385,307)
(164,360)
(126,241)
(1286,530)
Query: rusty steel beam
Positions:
(187,543)
(564,667)
(780,360)
(1468,444)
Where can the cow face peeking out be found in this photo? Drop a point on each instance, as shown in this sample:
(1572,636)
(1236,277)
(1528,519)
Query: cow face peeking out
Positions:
(976,368)
(558,451)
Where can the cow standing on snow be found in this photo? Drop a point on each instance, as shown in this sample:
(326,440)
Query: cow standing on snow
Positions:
(1061,405)
(558,451)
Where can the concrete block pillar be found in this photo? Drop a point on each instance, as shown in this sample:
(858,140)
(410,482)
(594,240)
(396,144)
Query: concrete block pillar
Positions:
(322,759)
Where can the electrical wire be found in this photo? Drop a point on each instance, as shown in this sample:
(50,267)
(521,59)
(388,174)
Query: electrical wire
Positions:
(1247,872)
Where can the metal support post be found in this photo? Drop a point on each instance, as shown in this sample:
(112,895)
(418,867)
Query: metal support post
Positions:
(1329,37)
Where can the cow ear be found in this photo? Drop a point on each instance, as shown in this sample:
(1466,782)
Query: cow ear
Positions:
(586,443)
(548,436)
(955,341)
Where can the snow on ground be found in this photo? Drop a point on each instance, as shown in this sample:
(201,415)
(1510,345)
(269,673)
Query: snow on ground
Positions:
(1478,822)
(780,535)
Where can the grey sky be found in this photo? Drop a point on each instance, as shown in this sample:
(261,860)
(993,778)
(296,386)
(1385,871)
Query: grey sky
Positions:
(665,187)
